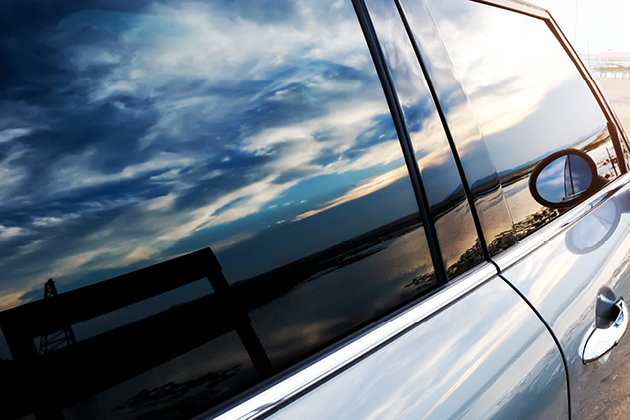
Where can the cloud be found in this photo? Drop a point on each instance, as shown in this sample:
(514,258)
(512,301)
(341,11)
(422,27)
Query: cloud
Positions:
(10,134)
(230,242)
(157,133)
(10,232)
(367,187)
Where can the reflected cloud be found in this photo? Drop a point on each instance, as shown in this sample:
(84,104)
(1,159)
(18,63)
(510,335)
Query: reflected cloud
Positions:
(368,187)
(505,91)
(157,135)
(10,134)
(478,369)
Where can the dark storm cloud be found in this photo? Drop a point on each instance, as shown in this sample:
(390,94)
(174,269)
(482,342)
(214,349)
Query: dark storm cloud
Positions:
(126,138)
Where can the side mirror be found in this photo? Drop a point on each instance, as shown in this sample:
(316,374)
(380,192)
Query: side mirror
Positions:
(564,178)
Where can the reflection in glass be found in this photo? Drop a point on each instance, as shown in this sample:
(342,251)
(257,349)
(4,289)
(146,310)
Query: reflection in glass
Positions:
(468,141)
(133,136)
(564,179)
(528,96)
(460,247)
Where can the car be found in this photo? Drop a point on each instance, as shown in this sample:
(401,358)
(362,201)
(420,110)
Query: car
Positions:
(341,209)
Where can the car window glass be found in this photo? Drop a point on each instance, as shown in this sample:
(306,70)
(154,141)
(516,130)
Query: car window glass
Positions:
(138,134)
(467,140)
(528,96)
(459,246)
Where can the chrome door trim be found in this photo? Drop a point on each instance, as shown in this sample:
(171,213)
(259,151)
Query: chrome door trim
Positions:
(556,227)
(291,387)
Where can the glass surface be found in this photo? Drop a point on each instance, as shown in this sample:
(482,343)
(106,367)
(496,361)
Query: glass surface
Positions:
(468,141)
(564,179)
(136,133)
(442,182)
(528,96)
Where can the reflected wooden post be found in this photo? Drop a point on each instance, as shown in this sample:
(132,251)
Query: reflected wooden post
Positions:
(244,328)
(65,376)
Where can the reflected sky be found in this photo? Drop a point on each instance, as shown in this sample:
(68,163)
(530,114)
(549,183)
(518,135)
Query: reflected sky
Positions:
(476,163)
(133,134)
(128,136)
(521,81)
(527,94)
(442,182)
(563,178)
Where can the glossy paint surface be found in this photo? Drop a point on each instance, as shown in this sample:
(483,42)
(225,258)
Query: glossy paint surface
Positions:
(486,356)
(134,133)
(531,101)
(443,185)
(562,277)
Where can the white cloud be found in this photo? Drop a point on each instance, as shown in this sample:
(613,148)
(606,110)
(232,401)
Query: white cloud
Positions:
(7,233)
(74,172)
(367,187)
(13,133)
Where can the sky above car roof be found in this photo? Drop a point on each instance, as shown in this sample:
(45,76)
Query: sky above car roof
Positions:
(601,24)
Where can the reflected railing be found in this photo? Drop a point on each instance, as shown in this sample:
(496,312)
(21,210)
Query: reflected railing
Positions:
(67,376)
(63,377)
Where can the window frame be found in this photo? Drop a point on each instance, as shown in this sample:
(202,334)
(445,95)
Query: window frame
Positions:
(615,128)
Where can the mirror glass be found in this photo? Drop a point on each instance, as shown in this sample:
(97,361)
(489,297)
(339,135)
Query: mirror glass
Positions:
(564,179)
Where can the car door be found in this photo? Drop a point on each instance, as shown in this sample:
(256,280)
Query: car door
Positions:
(533,97)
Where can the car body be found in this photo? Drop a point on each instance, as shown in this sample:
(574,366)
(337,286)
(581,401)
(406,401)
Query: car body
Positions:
(342,209)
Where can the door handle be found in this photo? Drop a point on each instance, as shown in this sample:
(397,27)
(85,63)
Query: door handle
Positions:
(602,340)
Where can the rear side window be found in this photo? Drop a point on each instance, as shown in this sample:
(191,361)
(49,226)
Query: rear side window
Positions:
(138,134)
(529,98)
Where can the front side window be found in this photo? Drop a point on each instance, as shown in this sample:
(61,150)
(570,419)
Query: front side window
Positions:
(528,96)
(137,133)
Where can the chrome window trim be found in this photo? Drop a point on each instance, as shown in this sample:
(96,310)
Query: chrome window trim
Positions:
(282,392)
(559,225)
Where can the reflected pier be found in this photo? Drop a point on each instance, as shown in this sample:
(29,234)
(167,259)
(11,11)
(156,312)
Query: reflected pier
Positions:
(58,339)
(75,373)
(68,375)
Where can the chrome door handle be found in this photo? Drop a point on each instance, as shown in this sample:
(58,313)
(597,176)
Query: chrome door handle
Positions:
(602,340)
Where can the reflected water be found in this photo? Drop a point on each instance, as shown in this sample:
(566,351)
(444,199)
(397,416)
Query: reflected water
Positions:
(444,189)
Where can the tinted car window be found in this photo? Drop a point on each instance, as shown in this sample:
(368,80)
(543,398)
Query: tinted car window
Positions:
(528,96)
(137,134)
(445,193)
(477,168)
